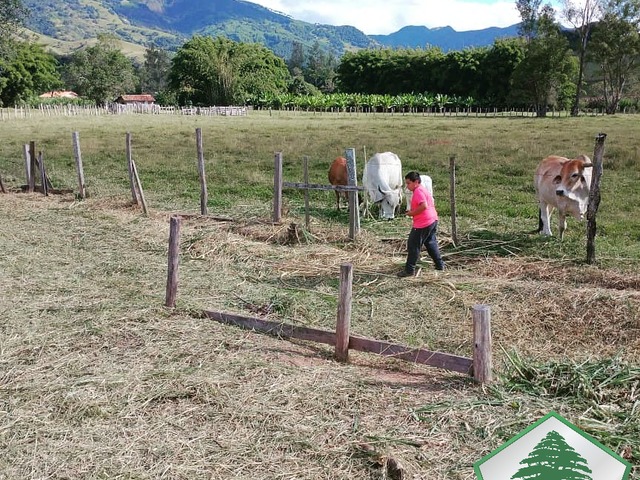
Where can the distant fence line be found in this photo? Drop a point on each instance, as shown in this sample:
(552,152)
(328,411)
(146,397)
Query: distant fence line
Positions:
(44,110)
(115,109)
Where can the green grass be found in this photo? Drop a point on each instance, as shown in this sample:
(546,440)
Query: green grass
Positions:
(101,381)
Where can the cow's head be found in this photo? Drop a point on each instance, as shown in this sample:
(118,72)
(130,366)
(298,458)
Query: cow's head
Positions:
(389,201)
(574,183)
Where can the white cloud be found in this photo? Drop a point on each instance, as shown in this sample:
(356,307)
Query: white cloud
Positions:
(385,16)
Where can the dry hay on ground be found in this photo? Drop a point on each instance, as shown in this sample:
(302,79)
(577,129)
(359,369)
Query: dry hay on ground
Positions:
(101,381)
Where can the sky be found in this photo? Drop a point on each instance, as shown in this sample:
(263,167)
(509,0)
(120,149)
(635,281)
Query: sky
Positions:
(382,17)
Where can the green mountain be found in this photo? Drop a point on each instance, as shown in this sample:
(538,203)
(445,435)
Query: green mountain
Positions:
(70,24)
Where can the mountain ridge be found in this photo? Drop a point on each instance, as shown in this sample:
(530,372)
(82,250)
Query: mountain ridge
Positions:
(169,23)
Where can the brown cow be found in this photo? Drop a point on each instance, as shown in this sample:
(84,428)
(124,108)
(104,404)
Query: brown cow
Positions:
(338,176)
(562,184)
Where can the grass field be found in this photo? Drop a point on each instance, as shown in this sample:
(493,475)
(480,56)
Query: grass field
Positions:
(99,380)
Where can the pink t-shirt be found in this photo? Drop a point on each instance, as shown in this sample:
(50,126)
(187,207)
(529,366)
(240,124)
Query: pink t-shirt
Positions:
(428,215)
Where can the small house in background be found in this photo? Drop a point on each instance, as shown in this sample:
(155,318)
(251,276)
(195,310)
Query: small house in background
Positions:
(133,99)
(59,94)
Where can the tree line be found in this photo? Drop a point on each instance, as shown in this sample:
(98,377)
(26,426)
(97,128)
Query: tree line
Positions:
(546,66)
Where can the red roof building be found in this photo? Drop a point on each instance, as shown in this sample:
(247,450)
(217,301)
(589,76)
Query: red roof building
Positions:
(127,99)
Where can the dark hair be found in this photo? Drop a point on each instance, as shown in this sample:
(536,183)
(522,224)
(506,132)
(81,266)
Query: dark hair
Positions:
(413,176)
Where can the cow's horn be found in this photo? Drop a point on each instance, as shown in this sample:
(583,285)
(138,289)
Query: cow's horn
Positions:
(587,165)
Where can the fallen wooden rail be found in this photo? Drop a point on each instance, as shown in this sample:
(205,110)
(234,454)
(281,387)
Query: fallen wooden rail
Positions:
(361,344)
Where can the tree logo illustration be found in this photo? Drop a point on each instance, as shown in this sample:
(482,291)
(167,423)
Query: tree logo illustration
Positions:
(552,449)
(553,459)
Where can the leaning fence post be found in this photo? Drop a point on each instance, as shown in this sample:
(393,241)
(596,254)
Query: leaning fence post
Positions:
(78,155)
(277,188)
(594,197)
(174,251)
(452,198)
(203,178)
(344,313)
(482,368)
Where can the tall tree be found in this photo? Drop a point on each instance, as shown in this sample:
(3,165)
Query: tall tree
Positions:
(530,11)
(101,72)
(207,71)
(320,68)
(581,16)
(547,67)
(553,459)
(154,72)
(616,48)
(29,72)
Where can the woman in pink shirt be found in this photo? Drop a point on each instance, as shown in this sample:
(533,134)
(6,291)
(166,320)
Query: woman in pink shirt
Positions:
(425,223)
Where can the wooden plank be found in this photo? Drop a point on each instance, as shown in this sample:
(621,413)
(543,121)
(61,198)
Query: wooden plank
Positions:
(415,355)
(361,344)
(319,186)
(274,328)
(32,167)
(354,211)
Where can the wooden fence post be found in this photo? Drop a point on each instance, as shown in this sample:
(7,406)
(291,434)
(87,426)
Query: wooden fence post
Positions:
(354,211)
(201,172)
(305,167)
(174,252)
(32,167)
(2,187)
(482,368)
(594,197)
(452,199)
(344,313)
(78,155)
(132,182)
(277,188)
(27,162)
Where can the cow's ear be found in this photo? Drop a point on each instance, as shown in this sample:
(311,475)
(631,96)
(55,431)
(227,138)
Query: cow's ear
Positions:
(557,180)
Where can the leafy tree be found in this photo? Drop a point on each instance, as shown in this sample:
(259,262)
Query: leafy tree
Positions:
(616,48)
(154,72)
(297,60)
(581,17)
(320,68)
(101,72)
(219,71)
(553,459)
(547,66)
(497,69)
(29,72)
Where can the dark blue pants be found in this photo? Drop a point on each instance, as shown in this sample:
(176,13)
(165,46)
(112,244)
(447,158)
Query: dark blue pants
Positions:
(423,236)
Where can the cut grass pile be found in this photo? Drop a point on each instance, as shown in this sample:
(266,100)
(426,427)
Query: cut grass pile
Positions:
(99,380)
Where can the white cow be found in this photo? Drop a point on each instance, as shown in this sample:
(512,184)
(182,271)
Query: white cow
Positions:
(562,184)
(382,180)
(424,180)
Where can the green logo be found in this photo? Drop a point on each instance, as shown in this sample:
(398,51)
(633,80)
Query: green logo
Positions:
(552,449)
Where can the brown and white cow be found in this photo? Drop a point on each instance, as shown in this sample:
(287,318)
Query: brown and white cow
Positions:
(338,176)
(562,184)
